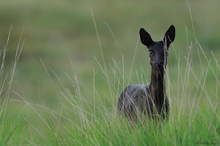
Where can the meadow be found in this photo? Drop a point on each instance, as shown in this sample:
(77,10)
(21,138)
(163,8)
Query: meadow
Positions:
(63,65)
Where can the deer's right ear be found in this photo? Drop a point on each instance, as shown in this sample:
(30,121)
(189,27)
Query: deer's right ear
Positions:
(145,37)
(170,35)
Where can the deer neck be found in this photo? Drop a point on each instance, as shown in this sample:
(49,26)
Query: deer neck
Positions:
(157,87)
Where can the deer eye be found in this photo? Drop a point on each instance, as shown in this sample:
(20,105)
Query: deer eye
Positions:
(150,53)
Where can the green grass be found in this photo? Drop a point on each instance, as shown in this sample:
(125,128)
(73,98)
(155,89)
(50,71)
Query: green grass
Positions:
(82,117)
(78,57)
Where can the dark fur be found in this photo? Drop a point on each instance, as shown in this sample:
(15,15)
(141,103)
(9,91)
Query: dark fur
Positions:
(139,100)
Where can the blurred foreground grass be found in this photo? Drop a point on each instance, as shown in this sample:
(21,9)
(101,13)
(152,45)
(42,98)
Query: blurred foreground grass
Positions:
(68,81)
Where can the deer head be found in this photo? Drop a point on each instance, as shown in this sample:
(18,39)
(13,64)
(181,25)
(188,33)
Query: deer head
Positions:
(158,50)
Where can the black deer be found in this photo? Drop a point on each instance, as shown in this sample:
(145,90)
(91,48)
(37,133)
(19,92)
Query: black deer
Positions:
(138,100)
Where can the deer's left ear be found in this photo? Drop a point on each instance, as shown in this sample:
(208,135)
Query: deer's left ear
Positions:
(169,35)
(145,37)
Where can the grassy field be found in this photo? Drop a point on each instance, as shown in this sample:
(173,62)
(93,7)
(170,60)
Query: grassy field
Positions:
(64,63)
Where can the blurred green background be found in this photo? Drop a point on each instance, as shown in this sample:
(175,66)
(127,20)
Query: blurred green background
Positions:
(63,35)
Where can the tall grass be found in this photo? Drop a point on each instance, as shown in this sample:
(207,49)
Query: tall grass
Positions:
(87,115)
(10,122)
(91,118)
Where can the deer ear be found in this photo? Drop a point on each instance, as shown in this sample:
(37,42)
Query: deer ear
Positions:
(145,37)
(169,35)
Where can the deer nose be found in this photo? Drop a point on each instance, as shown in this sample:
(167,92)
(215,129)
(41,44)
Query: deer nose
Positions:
(159,63)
